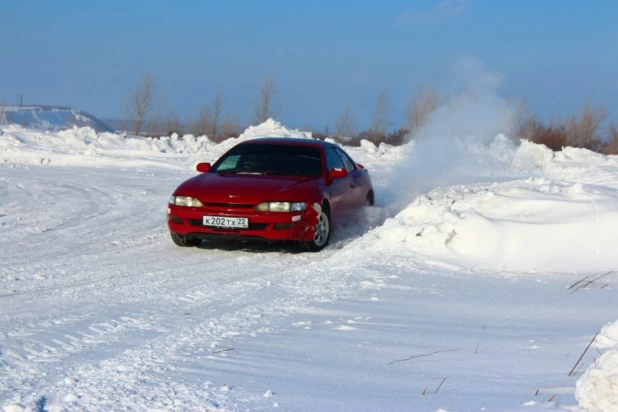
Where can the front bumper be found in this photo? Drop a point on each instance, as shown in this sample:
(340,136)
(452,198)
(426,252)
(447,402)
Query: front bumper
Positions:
(262,225)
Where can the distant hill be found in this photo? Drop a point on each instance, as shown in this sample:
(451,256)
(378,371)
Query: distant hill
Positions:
(52,118)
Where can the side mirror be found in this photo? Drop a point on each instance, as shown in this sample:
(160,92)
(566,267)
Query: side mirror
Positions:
(202,167)
(337,173)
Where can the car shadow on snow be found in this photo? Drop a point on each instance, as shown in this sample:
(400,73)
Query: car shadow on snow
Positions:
(253,246)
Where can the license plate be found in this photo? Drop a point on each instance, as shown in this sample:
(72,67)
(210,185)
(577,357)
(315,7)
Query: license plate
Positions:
(226,222)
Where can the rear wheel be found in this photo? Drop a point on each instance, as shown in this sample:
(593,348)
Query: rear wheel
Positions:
(322,233)
(185,241)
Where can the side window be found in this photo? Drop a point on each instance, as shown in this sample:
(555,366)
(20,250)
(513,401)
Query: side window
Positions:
(229,163)
(332,160)
(348,163)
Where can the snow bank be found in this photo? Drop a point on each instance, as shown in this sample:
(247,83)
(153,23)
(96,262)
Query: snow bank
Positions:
(531,211)
(83,146)
(597,389)
(270,128)
(273,128)
(529,225)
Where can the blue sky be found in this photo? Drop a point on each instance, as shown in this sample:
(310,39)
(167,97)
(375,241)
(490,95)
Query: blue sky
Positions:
(323,55)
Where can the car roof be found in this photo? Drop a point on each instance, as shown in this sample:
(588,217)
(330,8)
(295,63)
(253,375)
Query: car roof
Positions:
(289,141)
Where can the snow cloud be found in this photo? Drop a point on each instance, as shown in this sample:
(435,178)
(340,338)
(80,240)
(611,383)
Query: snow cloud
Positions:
(474,116)
(476,111)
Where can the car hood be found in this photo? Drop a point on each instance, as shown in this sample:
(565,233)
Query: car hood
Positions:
(243,189)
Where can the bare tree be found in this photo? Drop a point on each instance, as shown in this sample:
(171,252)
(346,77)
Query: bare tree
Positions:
(210,118)
(611,148)
(202,121)
(216,115)
(528,127)
(2,118)
(142,101)
(189,124)
(583,131)
(345,124)
(172,123)
(265,105)
(381,118)
(157,119)
(230,127)
(424,102)
(552,135)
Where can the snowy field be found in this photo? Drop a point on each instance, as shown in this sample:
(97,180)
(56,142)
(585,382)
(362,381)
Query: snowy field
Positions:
(476,283)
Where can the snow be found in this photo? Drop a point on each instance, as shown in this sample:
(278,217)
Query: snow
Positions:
(475,283)
(85,147)
(608,336)
(494,225)
(597,388)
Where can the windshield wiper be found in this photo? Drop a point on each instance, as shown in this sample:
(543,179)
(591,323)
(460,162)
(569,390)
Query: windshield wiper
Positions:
(239,172)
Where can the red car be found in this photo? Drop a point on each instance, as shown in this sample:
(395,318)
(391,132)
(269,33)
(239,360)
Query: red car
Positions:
(275,189)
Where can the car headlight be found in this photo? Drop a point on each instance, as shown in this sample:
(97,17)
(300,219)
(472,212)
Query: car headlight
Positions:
(185,201)
(281,207)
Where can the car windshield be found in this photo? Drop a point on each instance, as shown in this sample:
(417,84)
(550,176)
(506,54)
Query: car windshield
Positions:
(271,159)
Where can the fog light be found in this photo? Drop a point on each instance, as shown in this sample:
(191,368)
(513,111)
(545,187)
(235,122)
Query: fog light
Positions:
(176,219)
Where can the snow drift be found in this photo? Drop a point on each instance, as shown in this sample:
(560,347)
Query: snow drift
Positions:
(527,225)
(533,213)
(597,389)
(86,147)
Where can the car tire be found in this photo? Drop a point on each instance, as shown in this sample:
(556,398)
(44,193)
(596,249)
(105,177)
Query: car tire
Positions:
(322,233)
(369,200)
(185,241)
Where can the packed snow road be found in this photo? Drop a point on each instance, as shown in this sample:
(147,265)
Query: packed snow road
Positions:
(93,272)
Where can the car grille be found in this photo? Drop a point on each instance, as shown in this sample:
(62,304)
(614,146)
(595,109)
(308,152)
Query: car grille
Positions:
(228,205)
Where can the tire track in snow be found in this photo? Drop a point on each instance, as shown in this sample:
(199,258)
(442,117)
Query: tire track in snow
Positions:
(251,311)
(30,351)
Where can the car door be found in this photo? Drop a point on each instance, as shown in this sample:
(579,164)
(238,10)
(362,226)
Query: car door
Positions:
(338,188)
(355,195)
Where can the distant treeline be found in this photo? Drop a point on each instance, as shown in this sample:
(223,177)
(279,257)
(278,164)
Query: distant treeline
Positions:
(589,128)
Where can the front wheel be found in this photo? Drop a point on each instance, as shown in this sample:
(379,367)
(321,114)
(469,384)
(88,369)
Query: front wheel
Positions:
(322,233)
(185,241)
(369,200)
